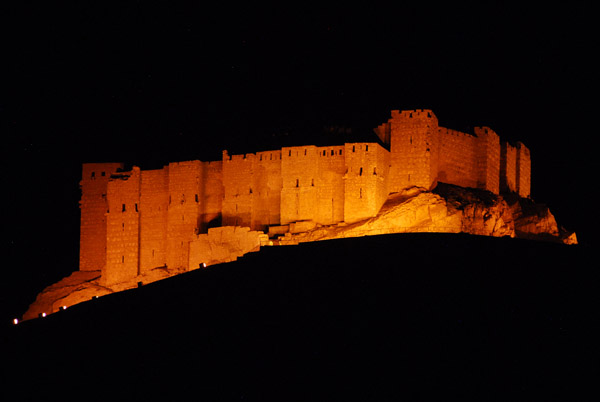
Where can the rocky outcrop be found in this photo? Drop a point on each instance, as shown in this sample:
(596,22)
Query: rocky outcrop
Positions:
(449,209)
(222,244)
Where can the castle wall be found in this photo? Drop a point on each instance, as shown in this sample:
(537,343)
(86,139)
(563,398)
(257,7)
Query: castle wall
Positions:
(414,147)
(266,190)
(508,168)
(211,195)
(123,227)
(93,206)
(299,171)
(154,202)
(488,159)
(185,184)
(458,158)
(366,187)
(523,170)
(331,167)
(238,173)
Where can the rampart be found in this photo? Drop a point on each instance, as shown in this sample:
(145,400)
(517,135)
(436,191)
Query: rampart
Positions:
(132,222)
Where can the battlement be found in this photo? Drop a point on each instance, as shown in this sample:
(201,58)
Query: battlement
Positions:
(413,116)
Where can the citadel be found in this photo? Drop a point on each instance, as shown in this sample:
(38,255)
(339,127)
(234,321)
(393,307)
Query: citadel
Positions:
(135,221)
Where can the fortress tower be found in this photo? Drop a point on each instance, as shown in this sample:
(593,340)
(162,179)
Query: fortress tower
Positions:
(93,205)
(414,149)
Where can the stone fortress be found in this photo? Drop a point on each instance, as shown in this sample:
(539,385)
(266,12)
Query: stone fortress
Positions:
(136,221)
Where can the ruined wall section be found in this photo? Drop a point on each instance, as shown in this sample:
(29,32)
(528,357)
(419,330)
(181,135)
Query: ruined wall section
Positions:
(93,206)
(266,190)
(488,159)
(458,163)
(366,185)
(299,172)
(414,147)
(523,170)
(154,203)
(331,167)
(123,227)
(183,223)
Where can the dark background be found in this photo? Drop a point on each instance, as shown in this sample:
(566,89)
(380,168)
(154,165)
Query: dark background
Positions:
(147,84)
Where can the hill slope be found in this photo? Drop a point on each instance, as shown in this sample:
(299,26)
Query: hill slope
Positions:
(409,316)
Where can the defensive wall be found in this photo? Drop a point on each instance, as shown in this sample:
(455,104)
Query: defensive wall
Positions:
(135,221)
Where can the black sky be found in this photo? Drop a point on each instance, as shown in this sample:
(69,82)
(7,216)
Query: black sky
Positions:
(146,84)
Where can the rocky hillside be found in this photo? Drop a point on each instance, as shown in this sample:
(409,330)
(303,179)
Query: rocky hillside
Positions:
(450,209)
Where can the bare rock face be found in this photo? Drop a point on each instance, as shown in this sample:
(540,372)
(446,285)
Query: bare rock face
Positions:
(219,245)
(450,209)
(536,222)
(75,288)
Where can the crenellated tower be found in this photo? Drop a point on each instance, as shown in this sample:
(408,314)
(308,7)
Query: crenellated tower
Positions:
(414,149)
(93,206)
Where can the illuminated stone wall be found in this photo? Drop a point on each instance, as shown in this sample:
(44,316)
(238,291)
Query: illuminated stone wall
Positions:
(523,170)
(154,199)
(93,205)
(211,195)
(185,184)
(508,168)
(414,148)
(331,167)
(123,227)
(458,158)
(299,171)
(266,190)
(488,159)
(238,192)
(366,186)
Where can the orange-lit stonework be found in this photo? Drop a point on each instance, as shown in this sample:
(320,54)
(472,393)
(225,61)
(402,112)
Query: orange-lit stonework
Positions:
(146,225)
(142,219)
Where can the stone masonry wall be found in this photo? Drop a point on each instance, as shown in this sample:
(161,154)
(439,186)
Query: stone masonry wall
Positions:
(508,168)
(266,190)
(238,173)
(123,227)
(331,167)
(93,205)
(154,201)
(365,180)
(414,147)
(184,209)
(488,159)
(523,176)
(211,195)
(299,171)
(458,158)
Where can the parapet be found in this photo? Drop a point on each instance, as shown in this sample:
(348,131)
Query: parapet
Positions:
(413,115)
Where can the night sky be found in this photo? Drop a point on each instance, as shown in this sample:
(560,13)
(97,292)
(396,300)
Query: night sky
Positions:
(149,84)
